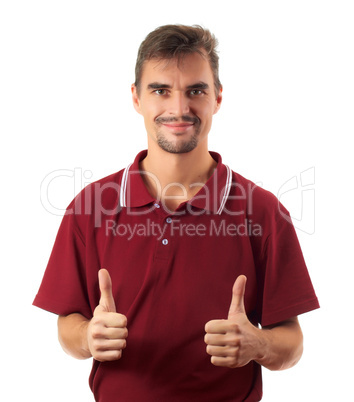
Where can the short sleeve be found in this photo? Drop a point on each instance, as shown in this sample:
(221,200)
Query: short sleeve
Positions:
(64,289)
(286,287)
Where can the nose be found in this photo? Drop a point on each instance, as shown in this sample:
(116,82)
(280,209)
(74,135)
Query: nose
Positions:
(179,104)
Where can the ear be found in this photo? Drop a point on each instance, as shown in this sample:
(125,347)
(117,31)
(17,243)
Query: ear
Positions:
(218,100)
(135,97)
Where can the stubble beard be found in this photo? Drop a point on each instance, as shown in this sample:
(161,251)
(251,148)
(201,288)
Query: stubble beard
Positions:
(178,147)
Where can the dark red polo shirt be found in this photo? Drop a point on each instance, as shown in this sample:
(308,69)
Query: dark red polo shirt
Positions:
(171,274)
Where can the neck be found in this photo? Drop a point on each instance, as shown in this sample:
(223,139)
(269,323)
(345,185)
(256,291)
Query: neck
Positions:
(175,178)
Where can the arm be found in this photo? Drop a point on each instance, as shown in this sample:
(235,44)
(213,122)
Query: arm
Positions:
(283,345)
(72,333)
(103,337)
(235,342)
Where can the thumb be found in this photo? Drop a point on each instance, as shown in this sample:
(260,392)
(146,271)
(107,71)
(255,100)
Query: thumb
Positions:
(238,294)
(105,284)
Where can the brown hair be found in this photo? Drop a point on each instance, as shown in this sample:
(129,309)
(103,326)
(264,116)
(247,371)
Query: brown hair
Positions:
(175,41)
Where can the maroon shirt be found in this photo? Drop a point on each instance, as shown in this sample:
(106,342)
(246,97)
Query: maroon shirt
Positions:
(171,274)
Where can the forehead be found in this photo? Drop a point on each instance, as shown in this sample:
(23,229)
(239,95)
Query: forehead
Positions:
(185,70)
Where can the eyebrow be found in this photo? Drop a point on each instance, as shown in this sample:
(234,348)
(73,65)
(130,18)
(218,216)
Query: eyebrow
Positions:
(158,85)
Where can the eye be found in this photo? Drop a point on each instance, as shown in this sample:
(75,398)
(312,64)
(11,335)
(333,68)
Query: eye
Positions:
(196,92)
(160,91)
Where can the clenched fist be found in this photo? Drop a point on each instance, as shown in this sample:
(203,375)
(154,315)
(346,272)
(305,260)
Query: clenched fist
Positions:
(107,331)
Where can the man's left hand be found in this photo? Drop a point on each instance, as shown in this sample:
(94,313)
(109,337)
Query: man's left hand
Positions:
(236,341)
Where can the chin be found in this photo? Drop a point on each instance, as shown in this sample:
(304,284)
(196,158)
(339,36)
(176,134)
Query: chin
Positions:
(179,147)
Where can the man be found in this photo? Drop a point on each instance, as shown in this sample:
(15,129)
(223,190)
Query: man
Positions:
(165,271)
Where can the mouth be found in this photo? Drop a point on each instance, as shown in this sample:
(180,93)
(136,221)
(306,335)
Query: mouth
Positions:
(178,127)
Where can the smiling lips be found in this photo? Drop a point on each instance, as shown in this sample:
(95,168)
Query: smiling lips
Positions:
(178,127)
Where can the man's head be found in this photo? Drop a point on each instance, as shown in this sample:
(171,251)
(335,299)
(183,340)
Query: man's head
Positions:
(177,89)
(175,42)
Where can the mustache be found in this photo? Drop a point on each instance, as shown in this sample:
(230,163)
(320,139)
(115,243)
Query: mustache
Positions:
(187,119)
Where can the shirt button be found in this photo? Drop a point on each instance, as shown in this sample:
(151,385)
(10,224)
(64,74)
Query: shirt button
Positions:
(164,242)
(156,205)
(169,220)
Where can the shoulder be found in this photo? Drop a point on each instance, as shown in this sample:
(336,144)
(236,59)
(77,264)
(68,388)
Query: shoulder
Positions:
(257,197)
(105,191)
(258,204)
(94,202)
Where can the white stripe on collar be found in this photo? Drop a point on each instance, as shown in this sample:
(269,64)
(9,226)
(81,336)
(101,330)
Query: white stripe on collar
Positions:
(123,187)
(226,190)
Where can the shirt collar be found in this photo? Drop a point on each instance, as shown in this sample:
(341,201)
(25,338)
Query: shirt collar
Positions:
(211,197)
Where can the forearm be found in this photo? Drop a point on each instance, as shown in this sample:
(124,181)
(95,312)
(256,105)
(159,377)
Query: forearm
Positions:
(281,345)
(72,333)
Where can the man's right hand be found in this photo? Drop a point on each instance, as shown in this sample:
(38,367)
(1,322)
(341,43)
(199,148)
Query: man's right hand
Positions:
(107,331)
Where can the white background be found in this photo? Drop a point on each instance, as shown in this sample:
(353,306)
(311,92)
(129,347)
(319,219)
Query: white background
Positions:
(65,74)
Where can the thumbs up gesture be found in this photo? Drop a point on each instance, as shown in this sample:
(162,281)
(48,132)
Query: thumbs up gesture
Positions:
(107,331)
(233,342)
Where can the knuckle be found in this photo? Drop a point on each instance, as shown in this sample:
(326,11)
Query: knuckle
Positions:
(235,342)
(97,321)
(94,321)
(96,345)
(124,321)
(97,356)
(117,354)
(214,360)
(125,333)
(96,332)
(234,328)
(235,361)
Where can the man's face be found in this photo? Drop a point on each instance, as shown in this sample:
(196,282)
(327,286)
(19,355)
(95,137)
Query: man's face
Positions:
(177,101)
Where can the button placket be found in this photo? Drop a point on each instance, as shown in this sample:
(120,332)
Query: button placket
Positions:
(165,241)
(164,244)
